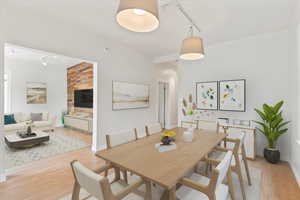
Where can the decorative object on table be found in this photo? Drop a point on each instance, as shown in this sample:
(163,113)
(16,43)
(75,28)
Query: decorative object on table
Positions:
(26,134)
(272,126)
(232,95)
(167,137)
(207,95)
(29,125)
(188,136)
(36,93)
(189,110)
(130,96)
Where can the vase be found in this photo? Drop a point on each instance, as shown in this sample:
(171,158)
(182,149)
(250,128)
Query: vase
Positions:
(188,136)
(29,130)
(166,140)
(272,155)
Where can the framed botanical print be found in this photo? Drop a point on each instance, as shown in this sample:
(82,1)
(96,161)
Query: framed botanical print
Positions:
(232,95)
(207,95)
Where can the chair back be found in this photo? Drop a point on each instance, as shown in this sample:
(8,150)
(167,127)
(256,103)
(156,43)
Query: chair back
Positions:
(223,167)
(208,125)
(121,137)
(140,132)
(88,180)
(188,124)
(153,128)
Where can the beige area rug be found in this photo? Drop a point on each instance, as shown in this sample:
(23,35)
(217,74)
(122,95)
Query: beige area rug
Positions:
(58,144)
(252,192)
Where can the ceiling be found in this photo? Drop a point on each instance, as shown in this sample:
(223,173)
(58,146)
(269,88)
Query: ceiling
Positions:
(219,20)
(16,54)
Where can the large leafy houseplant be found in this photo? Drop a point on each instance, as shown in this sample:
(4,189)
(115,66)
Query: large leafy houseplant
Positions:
(272,125)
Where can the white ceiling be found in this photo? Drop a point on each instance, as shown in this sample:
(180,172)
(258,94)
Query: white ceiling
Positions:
(16,54)
(219,20)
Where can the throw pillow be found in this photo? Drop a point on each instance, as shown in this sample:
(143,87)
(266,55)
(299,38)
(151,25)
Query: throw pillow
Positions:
(36,117)
(9,119)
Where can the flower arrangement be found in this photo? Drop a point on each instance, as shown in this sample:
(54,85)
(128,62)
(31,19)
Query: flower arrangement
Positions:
(167,137)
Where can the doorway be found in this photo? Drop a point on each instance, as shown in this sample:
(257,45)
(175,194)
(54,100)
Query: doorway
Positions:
(37,92)
(162,103)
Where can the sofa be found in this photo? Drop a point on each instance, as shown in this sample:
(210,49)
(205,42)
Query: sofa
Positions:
(21,119)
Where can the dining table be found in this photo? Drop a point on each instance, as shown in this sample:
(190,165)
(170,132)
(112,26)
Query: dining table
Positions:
(142,158)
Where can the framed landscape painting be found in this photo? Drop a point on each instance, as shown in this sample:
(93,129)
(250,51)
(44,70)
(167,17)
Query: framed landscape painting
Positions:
(232,95)
(36,93)
(130,96)
(207,95)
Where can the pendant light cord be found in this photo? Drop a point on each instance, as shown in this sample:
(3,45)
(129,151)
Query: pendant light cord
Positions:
(186,15)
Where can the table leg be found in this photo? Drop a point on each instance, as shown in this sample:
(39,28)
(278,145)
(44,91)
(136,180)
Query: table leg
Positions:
(169,194)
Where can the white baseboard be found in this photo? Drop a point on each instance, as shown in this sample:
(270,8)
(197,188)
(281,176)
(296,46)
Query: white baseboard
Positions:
(296,173)
(2,178)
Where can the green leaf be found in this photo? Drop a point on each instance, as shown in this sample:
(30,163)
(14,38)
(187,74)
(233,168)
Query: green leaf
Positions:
(278,106)
(282,124)
(261,114)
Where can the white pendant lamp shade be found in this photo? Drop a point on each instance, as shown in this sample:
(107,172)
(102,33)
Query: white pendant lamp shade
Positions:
(192,48)
(138,15)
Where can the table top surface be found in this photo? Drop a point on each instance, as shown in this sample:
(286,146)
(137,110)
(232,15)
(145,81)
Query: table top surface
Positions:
(16,138)
(166,168)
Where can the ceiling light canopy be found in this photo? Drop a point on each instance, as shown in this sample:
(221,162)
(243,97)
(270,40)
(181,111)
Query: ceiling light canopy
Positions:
(192,47)
(138,15)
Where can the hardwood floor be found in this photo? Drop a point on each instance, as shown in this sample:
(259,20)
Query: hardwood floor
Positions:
(51,178)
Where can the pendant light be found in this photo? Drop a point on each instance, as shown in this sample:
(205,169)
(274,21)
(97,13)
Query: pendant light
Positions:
(138,15)
(192,47)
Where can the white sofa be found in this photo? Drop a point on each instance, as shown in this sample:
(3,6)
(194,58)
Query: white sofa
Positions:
(47,123)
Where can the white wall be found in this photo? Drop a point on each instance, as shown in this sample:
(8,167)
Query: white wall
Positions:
(294,44)
(262,60)
(54,75)
(120,63)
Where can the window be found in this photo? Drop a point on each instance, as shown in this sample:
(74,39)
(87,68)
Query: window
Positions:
(7,93)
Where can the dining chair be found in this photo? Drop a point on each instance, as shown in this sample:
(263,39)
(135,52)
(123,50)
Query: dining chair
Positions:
(188,124)
(100,188)
(202,188)
(114,139)
(208,125)
(153,128)
(140,132)
(234,146)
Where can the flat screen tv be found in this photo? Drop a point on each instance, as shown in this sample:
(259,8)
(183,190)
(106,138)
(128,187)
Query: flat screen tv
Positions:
(83,98)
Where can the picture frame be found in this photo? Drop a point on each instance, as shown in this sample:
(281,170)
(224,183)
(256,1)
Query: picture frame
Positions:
(127,96)
(36,93)
(207,95)
(232,95)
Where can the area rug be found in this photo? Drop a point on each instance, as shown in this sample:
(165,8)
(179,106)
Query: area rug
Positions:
(252,192)
(58,144)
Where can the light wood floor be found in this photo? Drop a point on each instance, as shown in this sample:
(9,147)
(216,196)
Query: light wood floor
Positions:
(51,178)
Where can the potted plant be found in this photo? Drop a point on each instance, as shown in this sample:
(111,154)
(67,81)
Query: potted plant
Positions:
(272,126)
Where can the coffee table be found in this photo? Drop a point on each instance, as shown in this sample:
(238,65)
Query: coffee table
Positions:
(15,141)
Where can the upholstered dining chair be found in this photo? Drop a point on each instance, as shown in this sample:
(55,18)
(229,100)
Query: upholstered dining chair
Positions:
(140,132)
(208,125)
(100,188)
(153,128)
(117,138)
(202,188)
(233,144)
(188,124)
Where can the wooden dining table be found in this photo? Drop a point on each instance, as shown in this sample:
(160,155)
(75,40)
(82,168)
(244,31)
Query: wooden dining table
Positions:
(163,168)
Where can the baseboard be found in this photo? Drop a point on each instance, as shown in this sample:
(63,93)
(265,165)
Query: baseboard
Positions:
(2,178)
(296,173)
